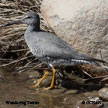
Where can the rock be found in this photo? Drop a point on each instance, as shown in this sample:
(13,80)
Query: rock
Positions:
(103,93)
(56,91)
(84,25)
(94,93)
(71,92)
(71,84)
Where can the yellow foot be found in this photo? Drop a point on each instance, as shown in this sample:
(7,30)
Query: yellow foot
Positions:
(52,82)
(48,88)
(44,77)
(36,85)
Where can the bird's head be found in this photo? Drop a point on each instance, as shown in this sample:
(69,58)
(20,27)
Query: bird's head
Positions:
(30,18)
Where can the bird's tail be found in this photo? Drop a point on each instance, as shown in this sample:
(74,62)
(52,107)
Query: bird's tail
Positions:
(95,60)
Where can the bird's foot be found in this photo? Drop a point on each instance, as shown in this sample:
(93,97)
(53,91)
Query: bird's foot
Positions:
(36,85)
(52,82)
(41,80)
(48,88)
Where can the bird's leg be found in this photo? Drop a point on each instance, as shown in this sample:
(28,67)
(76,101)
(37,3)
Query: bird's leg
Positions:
(53,78)
(46,73)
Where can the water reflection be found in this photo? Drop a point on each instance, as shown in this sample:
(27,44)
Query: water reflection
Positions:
(16,88)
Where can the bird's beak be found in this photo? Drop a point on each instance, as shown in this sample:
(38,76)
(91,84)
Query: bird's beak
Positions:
(20,21)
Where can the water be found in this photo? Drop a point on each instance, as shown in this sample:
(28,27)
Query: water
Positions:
(17,88)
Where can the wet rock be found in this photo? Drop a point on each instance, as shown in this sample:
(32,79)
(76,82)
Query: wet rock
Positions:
(103,93)
(84,25)
(56,91)
(71,84)
(91,93)
(71,92)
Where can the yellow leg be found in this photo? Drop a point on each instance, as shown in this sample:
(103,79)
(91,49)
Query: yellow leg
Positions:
(38,83)
(53,78)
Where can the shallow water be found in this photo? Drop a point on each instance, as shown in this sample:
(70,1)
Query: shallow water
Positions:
(17,88)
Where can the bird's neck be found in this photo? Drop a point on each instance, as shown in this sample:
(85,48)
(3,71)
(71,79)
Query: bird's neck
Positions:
(33,28)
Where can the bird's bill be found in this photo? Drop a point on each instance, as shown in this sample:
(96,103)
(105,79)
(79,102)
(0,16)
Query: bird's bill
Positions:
(13,22)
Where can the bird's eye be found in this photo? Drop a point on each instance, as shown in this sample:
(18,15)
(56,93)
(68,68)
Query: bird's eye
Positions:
(28,17)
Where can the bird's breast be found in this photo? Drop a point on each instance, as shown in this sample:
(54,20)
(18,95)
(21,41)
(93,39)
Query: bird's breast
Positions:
(34,46)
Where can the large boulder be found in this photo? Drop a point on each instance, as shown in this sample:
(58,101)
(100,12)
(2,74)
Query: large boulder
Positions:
(83,24)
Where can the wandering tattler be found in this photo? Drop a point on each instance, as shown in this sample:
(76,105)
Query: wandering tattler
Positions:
(49,48)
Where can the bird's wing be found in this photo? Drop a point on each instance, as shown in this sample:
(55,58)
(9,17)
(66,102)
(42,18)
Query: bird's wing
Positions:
(55,47)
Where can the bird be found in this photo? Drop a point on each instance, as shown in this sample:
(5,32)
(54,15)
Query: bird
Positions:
(49,48)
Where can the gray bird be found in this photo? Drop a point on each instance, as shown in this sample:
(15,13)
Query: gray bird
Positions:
(49,48)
